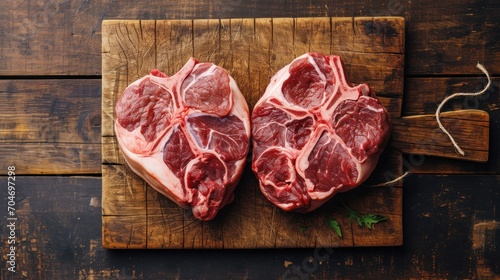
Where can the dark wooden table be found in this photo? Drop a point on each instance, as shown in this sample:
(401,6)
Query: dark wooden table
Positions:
(50,131)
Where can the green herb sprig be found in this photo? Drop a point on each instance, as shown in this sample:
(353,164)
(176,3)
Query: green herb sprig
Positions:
(367,220)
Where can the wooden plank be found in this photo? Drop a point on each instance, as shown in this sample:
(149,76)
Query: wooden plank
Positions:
(165,222)
(60,38)
(312,35)
(443,43)
(423,95)
(174,44)
(131,231)
(57,223)
(379,35)
(421,135)
(243,47)
(59,226)
(440,38)
(239,53)
(124,219)
(206,40)
(125,192)
(52,158)
(55,124)
(72,108)
(48,111)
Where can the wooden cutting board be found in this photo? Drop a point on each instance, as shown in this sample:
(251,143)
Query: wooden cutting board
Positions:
(252,50)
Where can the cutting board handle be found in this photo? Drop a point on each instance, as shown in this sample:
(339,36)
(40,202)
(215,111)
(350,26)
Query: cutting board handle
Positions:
(421,135)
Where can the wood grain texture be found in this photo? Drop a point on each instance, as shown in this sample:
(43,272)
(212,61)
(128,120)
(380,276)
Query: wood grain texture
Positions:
(449,224)
(51,126)
(423,95)
(422,135)
(450,218)
(52,158)
(58,122)
(60,38)
(447,37)
(252,50)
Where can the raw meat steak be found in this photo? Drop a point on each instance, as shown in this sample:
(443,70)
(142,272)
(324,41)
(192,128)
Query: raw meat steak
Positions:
(186,135)
(315,134)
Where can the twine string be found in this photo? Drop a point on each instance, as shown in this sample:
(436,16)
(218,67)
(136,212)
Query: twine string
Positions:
(389,183)
(438,120)
(438,111)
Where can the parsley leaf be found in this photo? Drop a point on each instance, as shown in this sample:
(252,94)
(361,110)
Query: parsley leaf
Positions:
(303,228)
(367,219)
(335,226)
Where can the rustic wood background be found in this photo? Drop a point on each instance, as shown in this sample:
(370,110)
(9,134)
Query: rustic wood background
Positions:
(50,90)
